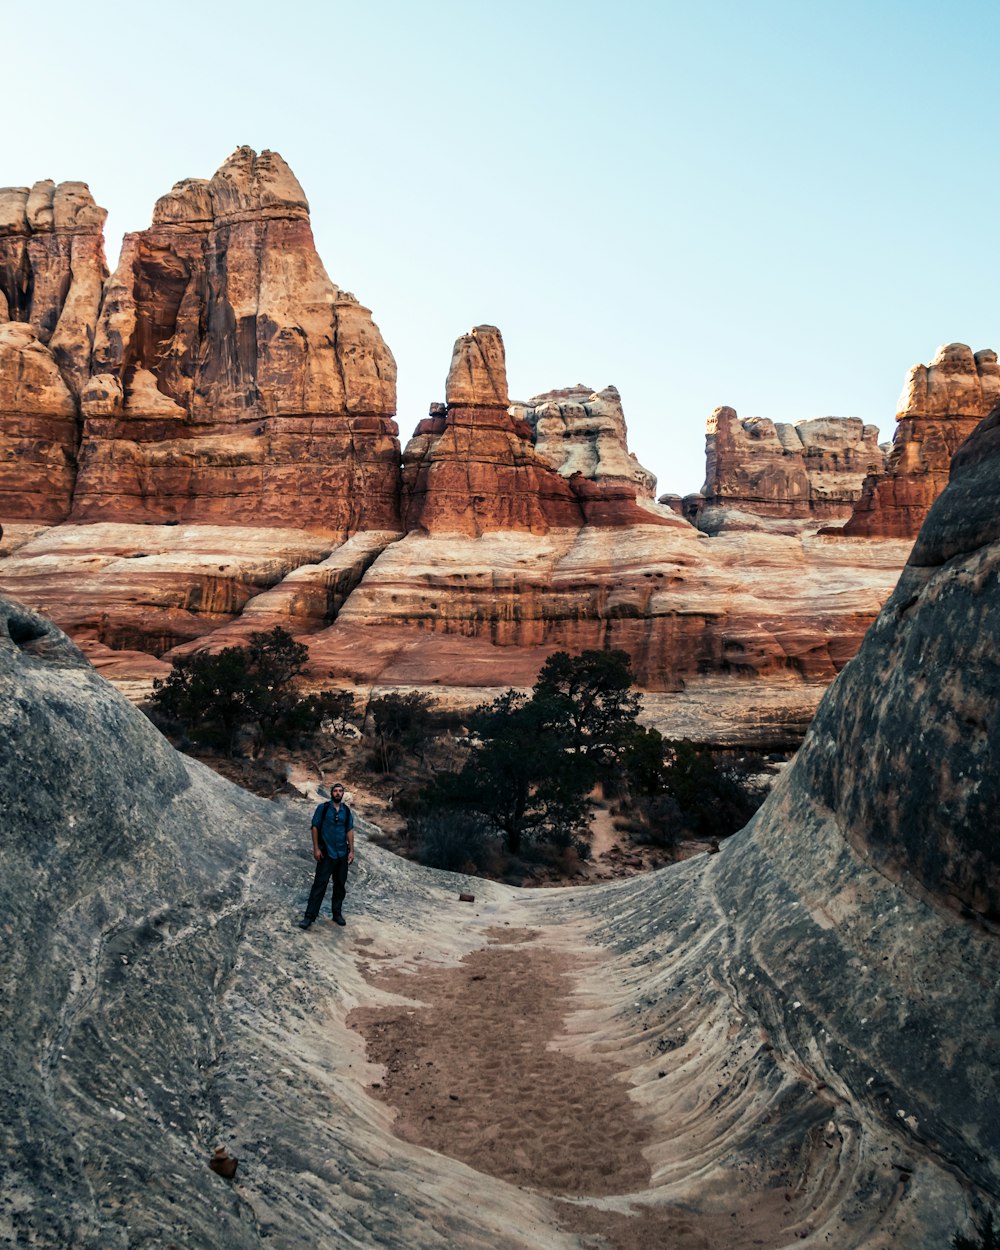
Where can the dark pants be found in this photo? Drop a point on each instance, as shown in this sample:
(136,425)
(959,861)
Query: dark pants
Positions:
(326,869)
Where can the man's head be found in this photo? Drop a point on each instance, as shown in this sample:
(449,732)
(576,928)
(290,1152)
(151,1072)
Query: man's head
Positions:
(337,791)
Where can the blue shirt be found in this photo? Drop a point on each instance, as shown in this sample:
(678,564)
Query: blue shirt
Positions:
(334,828)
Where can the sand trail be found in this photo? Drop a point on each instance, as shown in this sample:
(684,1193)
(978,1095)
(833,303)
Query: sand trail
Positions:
(477,1062)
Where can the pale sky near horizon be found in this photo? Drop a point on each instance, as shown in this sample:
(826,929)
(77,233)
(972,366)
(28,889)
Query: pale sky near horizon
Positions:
(780,206)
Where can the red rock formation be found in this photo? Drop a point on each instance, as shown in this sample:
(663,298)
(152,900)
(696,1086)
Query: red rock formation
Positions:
(474,465)
(232,381)
(471,467)
(940,406)
(811,470)
(577,430)
(51,272)
(739,609)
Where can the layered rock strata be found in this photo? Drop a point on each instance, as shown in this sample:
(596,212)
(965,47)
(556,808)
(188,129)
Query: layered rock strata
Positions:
(51,273)
(805,1022)
(577,430)
(474,465)
(231,377)
(123,589)
(940,405)
(812,470)
(487,610)
(471,466)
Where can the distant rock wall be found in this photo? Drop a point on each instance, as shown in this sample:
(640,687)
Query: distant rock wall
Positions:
(940,406)
(577,430)
(51,272)
(810,470)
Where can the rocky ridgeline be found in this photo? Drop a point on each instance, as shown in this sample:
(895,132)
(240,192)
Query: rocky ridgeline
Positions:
(220,381)
(806,1021)
(479,464)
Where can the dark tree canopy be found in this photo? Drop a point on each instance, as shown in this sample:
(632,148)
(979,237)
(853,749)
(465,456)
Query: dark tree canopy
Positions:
(540,756)
(588,698)
(212,698)
(402,722)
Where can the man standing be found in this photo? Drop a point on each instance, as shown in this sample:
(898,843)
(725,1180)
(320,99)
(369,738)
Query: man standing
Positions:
(333,850)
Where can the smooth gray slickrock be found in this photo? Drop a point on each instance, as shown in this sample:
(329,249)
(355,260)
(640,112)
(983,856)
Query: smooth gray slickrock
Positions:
(807,1019)
(843,950)
(158,1000)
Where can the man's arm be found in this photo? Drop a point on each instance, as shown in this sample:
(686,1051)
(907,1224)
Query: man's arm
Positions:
(350,844)
(317,853)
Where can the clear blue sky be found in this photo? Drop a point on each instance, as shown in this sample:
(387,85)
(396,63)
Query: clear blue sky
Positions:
(775,205)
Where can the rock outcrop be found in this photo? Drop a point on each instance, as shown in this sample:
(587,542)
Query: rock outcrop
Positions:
(939,407)
(231,377)
(806,1021)
(471,466)
(221,376)
(51,272)
(479,463)
(577,430)
(812,470)
(488,610)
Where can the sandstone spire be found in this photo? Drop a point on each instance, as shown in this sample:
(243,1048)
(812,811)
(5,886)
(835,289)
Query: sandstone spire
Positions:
(941,404)
(51,273)
(478,373)
(232,378)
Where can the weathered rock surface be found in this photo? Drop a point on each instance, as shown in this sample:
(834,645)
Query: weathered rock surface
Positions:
(940,405)
(470,466)
(488,610)
(772,617)
(240,468)
(222,377)
(51,272)
(806,1020)
(812,470)
(120,589)
(473,465)
(577,430)
(233,381)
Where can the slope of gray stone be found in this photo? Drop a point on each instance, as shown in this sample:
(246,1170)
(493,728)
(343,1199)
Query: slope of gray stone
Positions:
(813,1011)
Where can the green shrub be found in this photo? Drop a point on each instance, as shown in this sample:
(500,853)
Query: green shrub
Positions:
(213,698)
(455,841)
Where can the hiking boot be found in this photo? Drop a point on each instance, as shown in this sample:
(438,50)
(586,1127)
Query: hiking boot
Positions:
(339,918)
(305,922)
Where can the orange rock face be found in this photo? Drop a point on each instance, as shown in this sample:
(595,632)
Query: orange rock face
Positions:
(941,404)
(811,470)
(232,381)
(473,466)
(51,272)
